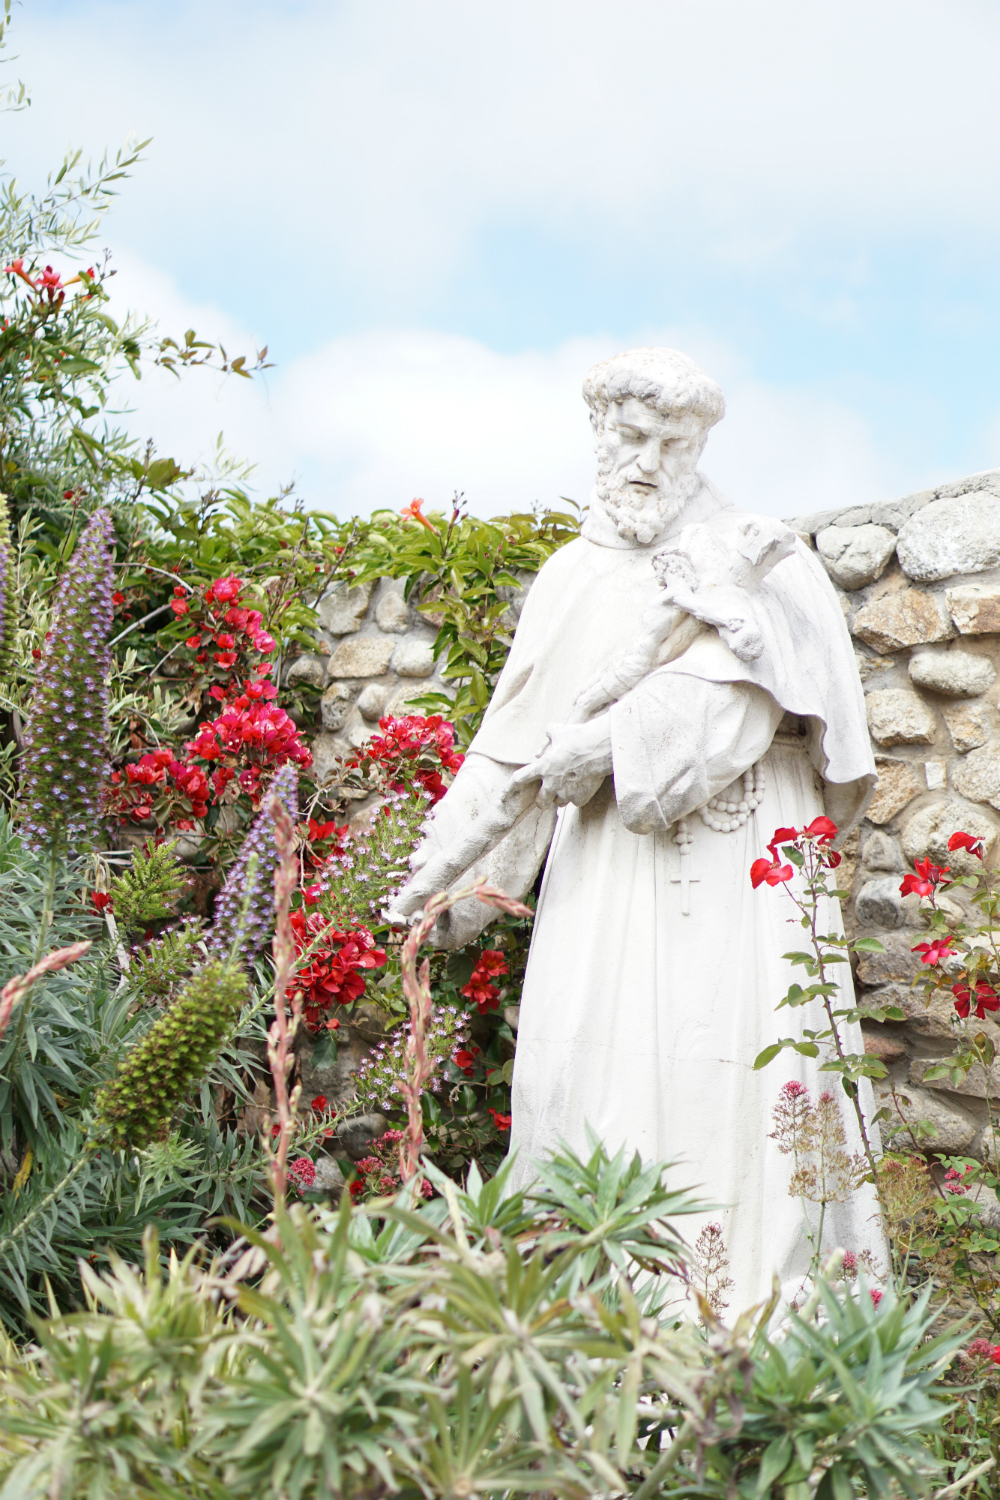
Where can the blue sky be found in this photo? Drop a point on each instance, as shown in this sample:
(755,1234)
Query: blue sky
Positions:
(437,215)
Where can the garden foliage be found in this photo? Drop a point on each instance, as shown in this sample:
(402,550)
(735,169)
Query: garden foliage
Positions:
(189,917)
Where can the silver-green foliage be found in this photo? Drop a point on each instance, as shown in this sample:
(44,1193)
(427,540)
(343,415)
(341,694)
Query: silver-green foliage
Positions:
(470,1345)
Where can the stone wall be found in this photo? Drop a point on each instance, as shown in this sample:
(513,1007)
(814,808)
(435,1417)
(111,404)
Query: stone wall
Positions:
(377,655)
(919,583)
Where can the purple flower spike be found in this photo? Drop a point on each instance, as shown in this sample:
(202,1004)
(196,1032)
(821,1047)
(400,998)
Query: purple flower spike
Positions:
(256,893)
(65,754)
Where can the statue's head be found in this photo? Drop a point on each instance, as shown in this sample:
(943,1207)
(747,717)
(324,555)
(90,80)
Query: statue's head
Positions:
(651,410)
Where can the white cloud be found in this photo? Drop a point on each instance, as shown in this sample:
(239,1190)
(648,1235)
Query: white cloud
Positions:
(390,135)
(376,418)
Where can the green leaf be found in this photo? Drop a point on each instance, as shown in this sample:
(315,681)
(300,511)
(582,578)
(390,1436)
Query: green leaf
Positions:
(867,945)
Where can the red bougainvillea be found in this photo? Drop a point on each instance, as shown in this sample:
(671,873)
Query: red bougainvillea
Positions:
(413,751)
(333,974)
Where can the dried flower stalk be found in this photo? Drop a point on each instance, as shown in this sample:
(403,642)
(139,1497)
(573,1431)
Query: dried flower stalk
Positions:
(416,987)
(281,1035)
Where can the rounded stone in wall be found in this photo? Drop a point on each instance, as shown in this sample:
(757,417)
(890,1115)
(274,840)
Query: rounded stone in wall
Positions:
(977,776)
(855,555)
(958,674)
(927,833)
(413,658)
(392,612)
(373,700)
(879,903)
(949,537)
(896,717)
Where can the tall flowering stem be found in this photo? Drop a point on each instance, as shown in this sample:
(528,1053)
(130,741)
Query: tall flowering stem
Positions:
(8,596)
(281,1035)
(15,989)
(244,912)
(418,1063)
(65,752)
(809,850)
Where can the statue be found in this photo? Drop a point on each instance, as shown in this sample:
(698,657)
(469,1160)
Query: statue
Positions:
(681,684)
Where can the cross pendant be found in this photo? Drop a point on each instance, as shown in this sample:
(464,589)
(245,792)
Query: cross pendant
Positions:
(685,879)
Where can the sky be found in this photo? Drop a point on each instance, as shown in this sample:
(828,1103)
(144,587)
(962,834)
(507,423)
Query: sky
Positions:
(437,216)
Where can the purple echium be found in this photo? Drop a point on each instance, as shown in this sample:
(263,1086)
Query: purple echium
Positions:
(8,603)
(254,892)
(65,742)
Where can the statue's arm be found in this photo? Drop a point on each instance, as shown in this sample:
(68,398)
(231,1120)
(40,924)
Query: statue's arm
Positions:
(512,864)
(678,740)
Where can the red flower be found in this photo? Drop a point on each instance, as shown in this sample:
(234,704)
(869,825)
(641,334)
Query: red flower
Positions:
(927,877)
(782,836)
(117,598)
(492,962)
(194,641)
(822,830)
(264,642)
(179,606)
(769,871)
(102,901)
(225,589)
(318,1105)
(333,974)
(502,1122)
(356,1188)
(967,841)
(466,1060)
(986,998)
(935,951)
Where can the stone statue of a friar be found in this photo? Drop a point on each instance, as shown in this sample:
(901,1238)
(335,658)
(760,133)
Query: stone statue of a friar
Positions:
(681,684)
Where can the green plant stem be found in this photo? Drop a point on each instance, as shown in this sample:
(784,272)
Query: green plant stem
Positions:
(817,947)
(48,905)
(651,1483)
(50,1197)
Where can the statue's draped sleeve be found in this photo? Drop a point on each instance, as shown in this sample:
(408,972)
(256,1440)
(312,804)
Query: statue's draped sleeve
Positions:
(677,741)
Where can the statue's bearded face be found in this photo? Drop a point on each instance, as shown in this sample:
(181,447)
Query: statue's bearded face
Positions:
(646,467)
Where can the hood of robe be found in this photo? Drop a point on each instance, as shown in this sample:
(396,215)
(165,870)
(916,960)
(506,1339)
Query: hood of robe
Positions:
(583,610)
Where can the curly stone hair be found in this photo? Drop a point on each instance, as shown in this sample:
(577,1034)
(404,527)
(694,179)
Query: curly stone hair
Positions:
(662,378)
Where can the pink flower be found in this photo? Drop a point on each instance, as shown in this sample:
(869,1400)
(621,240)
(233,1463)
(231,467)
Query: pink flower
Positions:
(875,1295)
(302,1172)
(986,998)
(226,589)
(782,836)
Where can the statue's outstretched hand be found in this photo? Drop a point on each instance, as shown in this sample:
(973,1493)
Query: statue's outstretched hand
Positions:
(573,764)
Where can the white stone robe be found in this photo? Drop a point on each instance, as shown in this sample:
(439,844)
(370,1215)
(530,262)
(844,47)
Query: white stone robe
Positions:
(635,1018)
